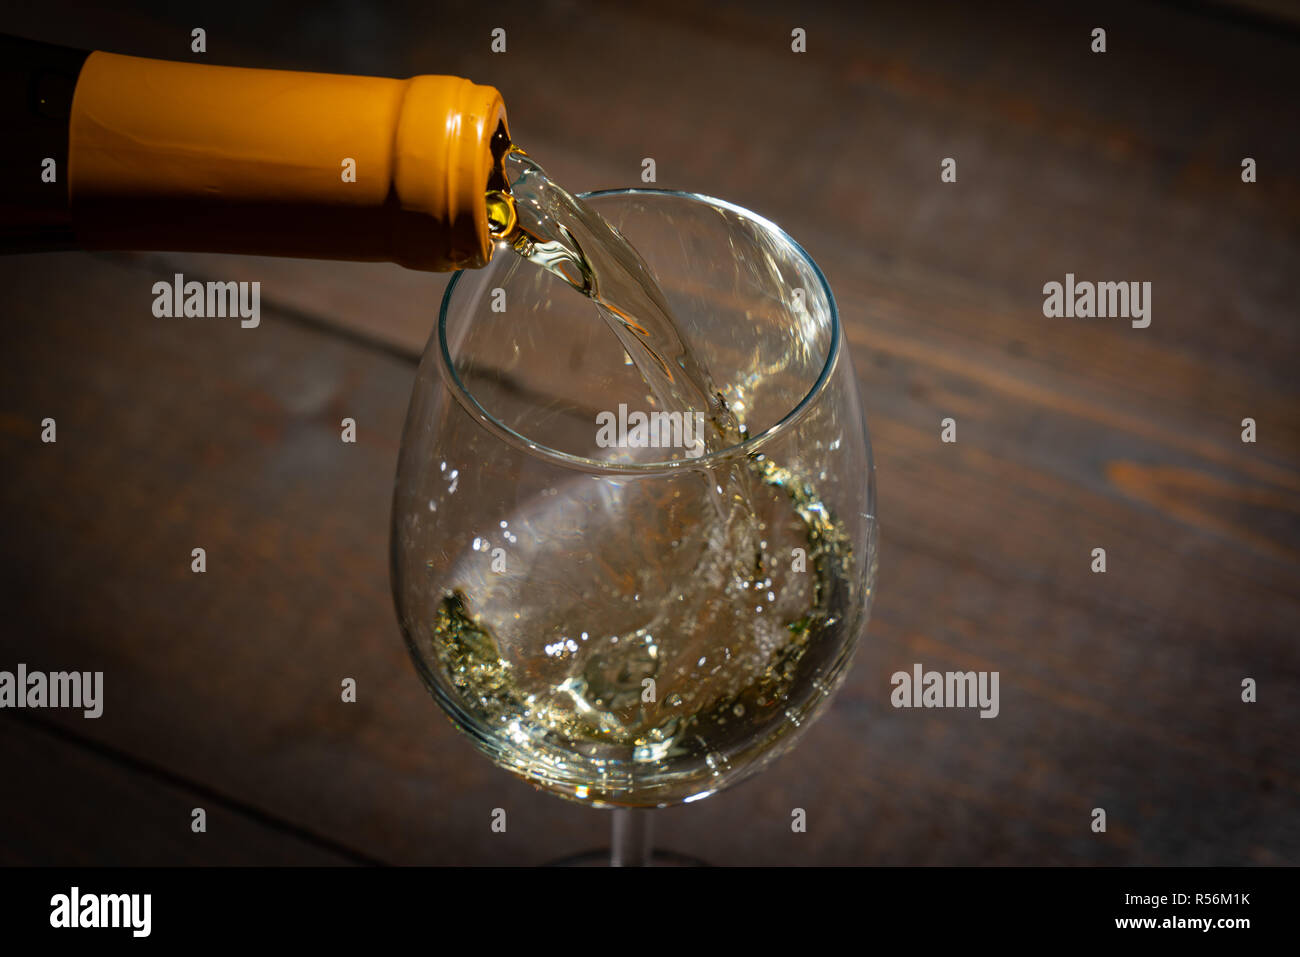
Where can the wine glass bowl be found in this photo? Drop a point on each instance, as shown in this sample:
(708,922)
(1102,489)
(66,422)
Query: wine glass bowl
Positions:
(607,612)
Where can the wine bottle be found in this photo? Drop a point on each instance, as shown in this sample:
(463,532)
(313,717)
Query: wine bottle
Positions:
(122,152)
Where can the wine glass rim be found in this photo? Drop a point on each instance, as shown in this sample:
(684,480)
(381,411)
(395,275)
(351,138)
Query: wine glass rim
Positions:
(749,446)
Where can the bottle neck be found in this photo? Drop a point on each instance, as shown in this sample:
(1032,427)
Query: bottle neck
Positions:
(153,154)
(37,82)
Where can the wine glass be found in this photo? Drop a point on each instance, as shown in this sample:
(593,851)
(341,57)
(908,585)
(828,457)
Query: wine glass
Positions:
(625,625)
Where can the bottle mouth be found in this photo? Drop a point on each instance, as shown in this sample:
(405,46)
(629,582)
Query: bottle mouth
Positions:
(499,145)
(752,445)
(501,212)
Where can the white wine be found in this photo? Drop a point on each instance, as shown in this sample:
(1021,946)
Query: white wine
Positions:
(553,229)
(632,690)
(652,641)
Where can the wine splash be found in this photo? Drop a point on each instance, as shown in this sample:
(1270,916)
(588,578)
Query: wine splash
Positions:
(553,229)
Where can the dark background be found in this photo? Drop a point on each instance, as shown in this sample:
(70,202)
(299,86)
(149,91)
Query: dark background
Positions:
(1119,691)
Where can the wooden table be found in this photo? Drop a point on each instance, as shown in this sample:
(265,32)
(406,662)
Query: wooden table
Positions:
(1119,690)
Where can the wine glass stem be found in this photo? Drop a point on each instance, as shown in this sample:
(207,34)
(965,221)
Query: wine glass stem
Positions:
(630,843)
